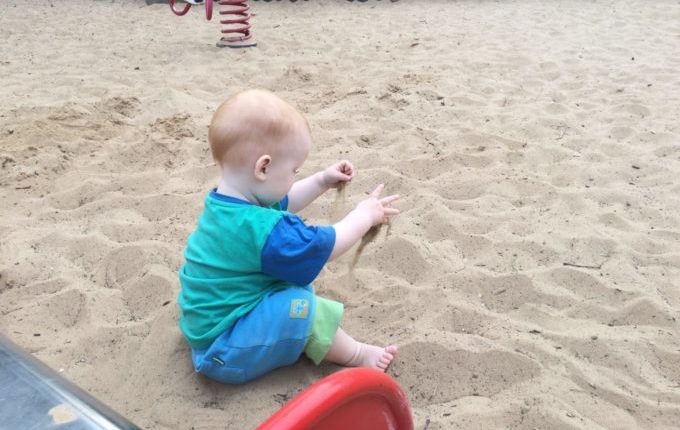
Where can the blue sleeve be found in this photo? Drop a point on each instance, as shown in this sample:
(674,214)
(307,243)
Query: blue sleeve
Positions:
(296,252)
(284,203)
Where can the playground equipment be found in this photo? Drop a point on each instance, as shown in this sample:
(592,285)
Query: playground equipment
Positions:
(236,31)
(33,396)
(360,399)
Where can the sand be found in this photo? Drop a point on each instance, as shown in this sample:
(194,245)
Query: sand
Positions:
(531,280)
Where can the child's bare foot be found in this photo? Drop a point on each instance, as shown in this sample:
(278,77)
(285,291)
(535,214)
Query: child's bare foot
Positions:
(346,351)
(371,356)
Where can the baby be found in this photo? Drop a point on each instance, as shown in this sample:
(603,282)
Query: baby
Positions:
(246,303)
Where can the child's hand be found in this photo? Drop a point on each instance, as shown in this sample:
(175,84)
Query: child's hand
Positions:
(338,174)
(377,210)
(368,213)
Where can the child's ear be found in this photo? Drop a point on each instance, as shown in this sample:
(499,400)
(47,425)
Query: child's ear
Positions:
(262,167)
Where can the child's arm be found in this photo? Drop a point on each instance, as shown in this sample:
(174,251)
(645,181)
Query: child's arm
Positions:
(307,190)
(355,225)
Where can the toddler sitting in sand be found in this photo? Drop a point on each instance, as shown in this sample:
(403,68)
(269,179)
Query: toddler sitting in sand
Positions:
(246,303)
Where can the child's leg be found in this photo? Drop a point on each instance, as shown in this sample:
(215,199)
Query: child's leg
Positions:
(346,351)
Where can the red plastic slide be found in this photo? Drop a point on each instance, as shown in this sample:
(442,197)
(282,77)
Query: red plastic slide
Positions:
(360,399)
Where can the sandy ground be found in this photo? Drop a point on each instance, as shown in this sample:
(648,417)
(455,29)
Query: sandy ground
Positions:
(531,281)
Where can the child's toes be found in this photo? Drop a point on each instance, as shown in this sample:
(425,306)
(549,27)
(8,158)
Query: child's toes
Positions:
(385,360)
(389,352)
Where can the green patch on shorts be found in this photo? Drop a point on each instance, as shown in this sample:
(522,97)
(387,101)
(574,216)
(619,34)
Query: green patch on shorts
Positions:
(326,321)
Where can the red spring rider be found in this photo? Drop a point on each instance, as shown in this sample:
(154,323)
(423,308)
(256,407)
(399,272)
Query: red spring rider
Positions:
(234,17)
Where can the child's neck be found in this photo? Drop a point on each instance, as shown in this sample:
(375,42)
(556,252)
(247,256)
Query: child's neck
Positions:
(232,186)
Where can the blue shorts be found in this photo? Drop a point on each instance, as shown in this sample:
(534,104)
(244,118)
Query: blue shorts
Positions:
(272,335)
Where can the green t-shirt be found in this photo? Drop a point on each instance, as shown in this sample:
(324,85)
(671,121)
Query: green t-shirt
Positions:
(237,254)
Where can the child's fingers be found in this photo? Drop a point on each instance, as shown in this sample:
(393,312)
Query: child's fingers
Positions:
(342,176)
(336,175)
(345,167)
(389,199)
(348,169)
(377,191)
(391,211)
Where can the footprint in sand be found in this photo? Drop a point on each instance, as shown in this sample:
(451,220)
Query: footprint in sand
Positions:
(122,265)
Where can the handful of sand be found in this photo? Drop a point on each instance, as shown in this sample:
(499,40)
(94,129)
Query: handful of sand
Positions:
(338,211)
